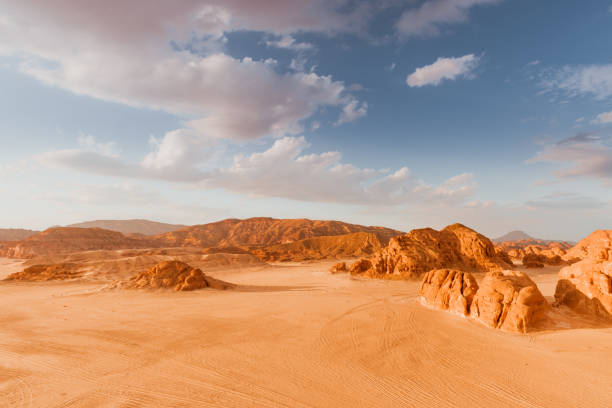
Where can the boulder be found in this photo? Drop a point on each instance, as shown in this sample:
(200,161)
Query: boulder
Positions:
(449,289)
(509,301)
(360,267)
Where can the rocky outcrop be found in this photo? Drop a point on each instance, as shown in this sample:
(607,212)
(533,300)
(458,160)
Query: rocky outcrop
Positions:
(37,273)
(174,275)
(586,286)
(15,234)
(360,267)
(449,289)
(339,268)
(524,247)
(509,301)
(422,250)
(260,232)
(358,244)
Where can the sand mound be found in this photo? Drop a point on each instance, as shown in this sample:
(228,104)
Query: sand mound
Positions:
(177,275)
(422,250)
(257,232)
(339,268)
(510,301)
(67,239)
(449,289)
(329,247)
(36,273)
(586,286)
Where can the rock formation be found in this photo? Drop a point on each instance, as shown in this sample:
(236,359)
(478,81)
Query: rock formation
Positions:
(176,275)
(421,250)
(449,289)
(510,301)
(35,273)
(360,267)
(521,248)
(354,245)
(586,286)
(339,268)
(258,232)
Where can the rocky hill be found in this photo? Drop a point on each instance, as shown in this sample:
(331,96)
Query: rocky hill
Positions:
(421,250)
(258,232)
(144,227)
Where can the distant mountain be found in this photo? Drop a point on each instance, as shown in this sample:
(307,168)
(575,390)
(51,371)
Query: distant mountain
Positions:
(514,236)
(60,240)
(144,227)
(260,231)
(15,234)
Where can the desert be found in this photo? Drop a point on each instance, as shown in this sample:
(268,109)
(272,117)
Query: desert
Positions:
(305,203)
(194,326)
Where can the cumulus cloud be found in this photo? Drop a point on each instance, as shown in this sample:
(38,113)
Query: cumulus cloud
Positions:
(583,155)
(588,80)
(169,56)
(430,16)
(283,170)
(442,69)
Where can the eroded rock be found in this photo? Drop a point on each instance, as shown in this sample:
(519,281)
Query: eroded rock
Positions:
(449,289)
(510,301)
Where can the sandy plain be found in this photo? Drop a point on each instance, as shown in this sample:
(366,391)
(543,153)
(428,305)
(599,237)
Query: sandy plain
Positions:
(293,336)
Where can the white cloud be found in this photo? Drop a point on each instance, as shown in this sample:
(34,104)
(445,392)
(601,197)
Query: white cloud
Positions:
(428,18)
(584,155)
(605,117)
(122,53)
(352,111)
(589,80)
(283,170)
(288,42)
(443,68)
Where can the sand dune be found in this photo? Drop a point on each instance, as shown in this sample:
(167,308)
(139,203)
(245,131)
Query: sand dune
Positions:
(320,340)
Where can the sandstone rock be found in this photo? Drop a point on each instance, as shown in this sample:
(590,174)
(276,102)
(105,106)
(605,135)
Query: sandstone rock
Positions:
(533,261)
(360,267)
(510,301)
(422,250)
(51,272)
(520,248)
(339,268)
(449,289)
(177,275)
(358,244)
(586,286)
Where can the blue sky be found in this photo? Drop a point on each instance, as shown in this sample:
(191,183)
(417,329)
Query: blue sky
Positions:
(494,113)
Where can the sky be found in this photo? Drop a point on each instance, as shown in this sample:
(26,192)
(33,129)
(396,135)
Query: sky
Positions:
(401,113)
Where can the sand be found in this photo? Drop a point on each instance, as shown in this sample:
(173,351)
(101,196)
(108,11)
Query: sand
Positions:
(300,337)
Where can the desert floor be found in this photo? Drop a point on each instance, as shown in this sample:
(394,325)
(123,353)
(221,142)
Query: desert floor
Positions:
(297,336)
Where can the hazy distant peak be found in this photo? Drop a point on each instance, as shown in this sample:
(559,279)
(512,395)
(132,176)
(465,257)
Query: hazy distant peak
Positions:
(514,236)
